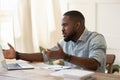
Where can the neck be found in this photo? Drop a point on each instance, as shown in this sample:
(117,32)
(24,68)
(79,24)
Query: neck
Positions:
(78,34)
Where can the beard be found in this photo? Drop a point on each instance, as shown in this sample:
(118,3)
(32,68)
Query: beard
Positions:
(71,36)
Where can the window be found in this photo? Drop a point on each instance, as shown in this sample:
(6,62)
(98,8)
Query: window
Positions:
(7,13)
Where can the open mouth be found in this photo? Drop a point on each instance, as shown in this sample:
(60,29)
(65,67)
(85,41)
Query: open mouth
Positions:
(64,35)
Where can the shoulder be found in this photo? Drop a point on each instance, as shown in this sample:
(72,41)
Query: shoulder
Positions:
(90,36)
(95,36)
(97,39)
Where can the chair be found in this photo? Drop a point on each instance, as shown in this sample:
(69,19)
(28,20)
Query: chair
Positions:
(110,58)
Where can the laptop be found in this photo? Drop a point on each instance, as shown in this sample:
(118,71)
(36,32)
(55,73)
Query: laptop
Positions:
(17,65)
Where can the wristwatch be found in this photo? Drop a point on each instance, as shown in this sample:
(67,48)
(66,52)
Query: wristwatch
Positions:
(67,57)
(17,55)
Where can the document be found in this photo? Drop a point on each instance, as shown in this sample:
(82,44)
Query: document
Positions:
(73,74)
(56,67)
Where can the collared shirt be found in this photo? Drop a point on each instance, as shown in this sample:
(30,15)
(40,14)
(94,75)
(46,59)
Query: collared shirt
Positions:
(90,44)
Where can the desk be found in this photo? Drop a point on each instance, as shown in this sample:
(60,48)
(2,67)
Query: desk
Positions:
(42,74)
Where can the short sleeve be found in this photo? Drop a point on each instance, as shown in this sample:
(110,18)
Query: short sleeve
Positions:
(97,48)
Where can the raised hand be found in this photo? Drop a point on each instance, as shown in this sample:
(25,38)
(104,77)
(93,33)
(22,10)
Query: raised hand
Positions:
(10,53)
(56,54)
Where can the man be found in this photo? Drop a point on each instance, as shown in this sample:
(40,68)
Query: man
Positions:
(80,48)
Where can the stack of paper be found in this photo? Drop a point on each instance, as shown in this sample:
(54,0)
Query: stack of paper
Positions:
(73,74)
(56,67)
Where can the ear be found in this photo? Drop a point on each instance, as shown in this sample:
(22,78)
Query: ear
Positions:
(78,25)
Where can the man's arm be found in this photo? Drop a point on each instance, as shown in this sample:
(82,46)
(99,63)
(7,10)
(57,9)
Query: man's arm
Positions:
(11,54)
(97,52)
(31,56)
(86,63)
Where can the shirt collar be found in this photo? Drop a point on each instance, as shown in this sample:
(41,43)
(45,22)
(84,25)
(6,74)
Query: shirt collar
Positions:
(83,37)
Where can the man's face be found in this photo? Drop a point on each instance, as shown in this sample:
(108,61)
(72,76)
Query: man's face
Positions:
(68,29)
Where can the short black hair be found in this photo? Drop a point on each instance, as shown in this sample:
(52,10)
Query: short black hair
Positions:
(76,16)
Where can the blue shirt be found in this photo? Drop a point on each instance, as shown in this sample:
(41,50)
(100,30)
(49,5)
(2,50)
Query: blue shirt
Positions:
(90,44)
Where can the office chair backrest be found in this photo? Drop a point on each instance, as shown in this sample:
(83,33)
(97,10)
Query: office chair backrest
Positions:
(110,58)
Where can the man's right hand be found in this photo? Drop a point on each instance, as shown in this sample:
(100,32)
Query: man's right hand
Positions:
(10,53)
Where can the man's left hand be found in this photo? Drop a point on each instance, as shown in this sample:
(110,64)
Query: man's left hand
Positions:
(56,54)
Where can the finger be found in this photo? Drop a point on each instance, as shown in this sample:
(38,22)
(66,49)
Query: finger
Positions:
(45,51)
(10,45)
(48,50)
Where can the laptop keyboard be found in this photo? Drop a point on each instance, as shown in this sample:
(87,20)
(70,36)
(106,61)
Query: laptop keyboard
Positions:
(13,66)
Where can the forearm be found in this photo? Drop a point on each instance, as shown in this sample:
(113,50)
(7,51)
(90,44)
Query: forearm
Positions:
(86,63)
(31,56)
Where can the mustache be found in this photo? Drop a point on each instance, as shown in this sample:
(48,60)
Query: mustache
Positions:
(63,32)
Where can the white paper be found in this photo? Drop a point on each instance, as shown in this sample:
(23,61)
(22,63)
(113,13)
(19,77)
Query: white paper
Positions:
(56,67)
(72,73)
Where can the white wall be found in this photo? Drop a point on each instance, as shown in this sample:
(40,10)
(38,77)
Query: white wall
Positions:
(102,16)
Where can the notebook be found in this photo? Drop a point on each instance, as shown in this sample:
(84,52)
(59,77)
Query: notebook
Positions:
(17,65)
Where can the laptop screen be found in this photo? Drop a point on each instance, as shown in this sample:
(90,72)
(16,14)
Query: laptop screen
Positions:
(1,54)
